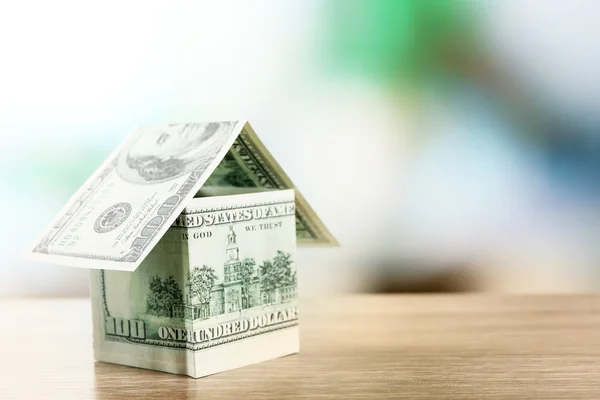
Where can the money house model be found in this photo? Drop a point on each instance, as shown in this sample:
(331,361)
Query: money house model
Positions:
(190,232)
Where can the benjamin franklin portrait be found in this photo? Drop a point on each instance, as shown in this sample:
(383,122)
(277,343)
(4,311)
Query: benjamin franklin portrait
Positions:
(166,152)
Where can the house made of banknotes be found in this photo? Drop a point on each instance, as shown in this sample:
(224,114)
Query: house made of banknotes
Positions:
(190,232)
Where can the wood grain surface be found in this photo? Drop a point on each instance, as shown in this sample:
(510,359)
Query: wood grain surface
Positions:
(372,346)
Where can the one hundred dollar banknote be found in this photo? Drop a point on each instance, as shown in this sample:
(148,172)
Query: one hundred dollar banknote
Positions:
(217,292)
(122,211)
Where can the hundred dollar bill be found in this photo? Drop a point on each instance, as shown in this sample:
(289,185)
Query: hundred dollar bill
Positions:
(249,165)
(217,292)
(121,212)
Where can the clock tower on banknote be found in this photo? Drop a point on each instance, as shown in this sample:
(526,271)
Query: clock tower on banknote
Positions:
(232,253)
(233,283)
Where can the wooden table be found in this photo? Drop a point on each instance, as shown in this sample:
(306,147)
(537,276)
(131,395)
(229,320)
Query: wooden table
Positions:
(394,346)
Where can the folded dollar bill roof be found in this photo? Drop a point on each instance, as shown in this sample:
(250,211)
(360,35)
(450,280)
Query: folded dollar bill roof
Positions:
(130,201)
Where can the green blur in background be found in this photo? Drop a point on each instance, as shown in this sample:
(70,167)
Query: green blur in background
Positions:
(499,146)
(395,41)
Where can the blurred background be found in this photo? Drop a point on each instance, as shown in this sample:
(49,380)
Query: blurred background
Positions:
(450,145)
